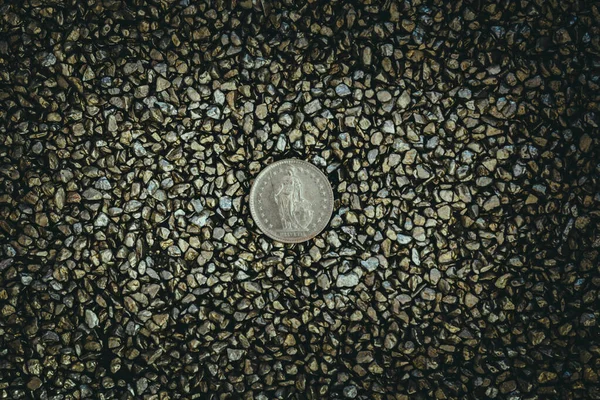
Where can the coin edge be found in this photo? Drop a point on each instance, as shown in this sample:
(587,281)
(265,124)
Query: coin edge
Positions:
(257,221)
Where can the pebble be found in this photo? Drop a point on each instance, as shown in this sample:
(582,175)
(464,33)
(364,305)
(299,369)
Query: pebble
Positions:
(102,220)
(444,212)
(428,294)
(347,280)
(225,203)
(234,354)
(34,383)
(491,203)
(585,143)
(461,144)
(384,96)
(193,94)
(350,392)
(419,234)
(92,194)
(370,264)
(403,239)
(312,107)
(48,60)
(464,93)
(162,84)
(471,300)
(434,276)
(213,112)
(404,100)
(342,90)
(91,319)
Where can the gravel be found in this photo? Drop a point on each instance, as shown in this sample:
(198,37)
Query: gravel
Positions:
(461,140)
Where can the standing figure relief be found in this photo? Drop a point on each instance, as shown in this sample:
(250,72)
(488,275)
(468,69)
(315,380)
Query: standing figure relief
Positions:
(294,209)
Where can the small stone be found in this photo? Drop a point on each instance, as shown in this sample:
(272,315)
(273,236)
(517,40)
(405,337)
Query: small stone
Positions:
(388,127)
(141,385)
(403,239)
(404,100)
(347,280)
(193,94)
(252,287)
(162,84)
(142,91)
(384,96)
(588,319)
(501,281)
(160,320)
(92,194)
(197,205)
(536,337)
(422,173)
(350,392)
(34,383)
(562,36)
(7,310)
(364,357)
(370,264)
(434,276)
(419,234)
(531,199)
(218,233)
(225,203)
(508,386)
(404,299)
(324,282)
(59,198)
(112,123)
(34,367)
(342,90)
(200,220)
(213,112)
(390,341)
(534,82)
(261,111)
(444,212)
(312,107)
(138,149)
(285,120)
(102,220)
(48,60)
(428,294)
(585,143)
(91,319)
(471,300)
(132,206)
(546,376)
(88,74)
(234,354)
(367,55)
(464,93)
(491,203)
(103,184)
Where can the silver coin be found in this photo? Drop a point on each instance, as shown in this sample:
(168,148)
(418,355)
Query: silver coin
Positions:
(291,201)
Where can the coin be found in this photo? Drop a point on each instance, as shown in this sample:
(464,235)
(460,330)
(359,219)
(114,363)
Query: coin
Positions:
(291,201)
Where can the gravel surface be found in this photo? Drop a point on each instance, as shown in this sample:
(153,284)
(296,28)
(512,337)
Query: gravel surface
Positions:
(461,140)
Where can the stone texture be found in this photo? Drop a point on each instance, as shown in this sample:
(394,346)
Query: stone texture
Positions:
(461,140)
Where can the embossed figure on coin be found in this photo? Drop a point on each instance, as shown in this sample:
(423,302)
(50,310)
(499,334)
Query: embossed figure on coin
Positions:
(294,210)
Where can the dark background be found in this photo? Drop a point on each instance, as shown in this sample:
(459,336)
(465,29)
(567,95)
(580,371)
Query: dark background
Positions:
(461,141)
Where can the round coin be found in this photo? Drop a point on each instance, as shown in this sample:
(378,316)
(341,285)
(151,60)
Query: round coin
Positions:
(291,201)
